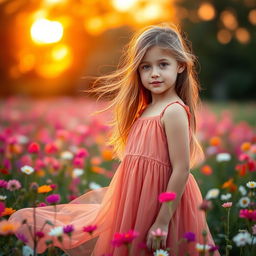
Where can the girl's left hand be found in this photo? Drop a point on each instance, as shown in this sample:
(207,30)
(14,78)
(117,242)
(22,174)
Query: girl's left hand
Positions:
(154,243)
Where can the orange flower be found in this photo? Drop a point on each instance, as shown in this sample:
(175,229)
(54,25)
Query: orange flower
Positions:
(96,160)
(246,146)
(44,189)
(98,169)
(206,169)
(107,154)
(215,141)
(241,168)
(230,185)
(7,227)
(40,173)
(8,211)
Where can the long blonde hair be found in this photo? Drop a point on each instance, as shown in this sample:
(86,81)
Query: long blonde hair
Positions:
(128,97)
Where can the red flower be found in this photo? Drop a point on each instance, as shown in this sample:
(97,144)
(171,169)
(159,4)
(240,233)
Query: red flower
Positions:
(33,148)
(167,196)
(124,238)
(89,228)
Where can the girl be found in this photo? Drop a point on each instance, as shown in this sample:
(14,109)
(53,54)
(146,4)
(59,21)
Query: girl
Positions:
(155,98)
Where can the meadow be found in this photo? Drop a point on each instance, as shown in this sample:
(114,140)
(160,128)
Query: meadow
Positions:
(53,150)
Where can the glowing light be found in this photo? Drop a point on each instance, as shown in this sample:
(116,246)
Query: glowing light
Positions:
(149,12)
(58,60)
(206,11)
(252,16)
(242,35)
(229,20)
(94,25)
(26,62)
(122,5)
(52,2)
(224,36)
(44,31)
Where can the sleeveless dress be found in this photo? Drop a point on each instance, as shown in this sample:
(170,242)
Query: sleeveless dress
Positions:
(129,202)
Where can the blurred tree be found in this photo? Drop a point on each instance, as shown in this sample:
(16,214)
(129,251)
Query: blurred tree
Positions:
(223,37)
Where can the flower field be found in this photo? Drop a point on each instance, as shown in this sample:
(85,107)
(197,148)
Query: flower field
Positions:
(53,150)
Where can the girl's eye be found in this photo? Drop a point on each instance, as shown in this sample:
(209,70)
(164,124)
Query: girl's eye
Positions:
(144,67)
(163,64)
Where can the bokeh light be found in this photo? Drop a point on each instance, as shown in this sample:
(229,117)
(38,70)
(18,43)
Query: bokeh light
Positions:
(206,11)
(229,20)
(242,35)
(224,36)
(44,31)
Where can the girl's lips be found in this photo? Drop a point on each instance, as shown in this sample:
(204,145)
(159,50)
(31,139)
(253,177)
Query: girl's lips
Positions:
(156,83)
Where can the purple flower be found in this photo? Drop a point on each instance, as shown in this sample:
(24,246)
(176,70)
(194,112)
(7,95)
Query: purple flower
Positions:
(13,185)
(213,248)
(68,229)
(3,183)
(53,199)
(189,236)
(22,237)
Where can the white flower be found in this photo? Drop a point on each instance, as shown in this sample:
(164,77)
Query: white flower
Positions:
(66,155)
(242,190)
(200,247)
(242,238)
(77,172)
(93,185)
(57,231)
(27,251)
(212,193)
(27,169)
(22,139)
(225,197)
(161,253)
(223,157)
(244,202)
(2,198)
(251,184)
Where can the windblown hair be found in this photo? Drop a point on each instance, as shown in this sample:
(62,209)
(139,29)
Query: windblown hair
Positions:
(128,97)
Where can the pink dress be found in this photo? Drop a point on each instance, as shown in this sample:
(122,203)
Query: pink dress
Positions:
(129,202)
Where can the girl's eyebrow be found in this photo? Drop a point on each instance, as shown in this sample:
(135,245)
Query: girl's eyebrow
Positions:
(145,61)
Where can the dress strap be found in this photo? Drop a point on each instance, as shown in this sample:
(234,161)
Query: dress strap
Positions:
(184,106)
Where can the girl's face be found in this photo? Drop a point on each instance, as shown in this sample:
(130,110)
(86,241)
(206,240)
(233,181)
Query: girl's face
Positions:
(158,70)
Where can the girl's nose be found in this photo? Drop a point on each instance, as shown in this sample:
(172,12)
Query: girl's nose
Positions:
(154,73)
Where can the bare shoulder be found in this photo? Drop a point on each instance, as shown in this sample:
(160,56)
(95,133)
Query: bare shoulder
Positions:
(175,115)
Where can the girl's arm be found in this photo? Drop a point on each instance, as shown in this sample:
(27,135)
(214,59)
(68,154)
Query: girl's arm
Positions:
(176,126)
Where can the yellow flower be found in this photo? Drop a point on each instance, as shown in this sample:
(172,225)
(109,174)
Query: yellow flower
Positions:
(251,184)
(246,146)
(7,227)
(44,189)
(8,211)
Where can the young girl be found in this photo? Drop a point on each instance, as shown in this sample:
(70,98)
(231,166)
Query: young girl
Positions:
(155,95)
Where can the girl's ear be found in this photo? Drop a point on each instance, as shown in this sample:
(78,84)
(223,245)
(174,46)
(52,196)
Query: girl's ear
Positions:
(181,68)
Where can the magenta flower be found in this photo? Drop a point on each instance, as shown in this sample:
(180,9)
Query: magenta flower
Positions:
(247,214)
(13,185)
(2,207)
(82,152)
(22,237)
(167,196)
(33,148)
(89,228)
(42,204)
(213,248)
(53,199)
(124,238)
(189,236)
(3,183)
(68,229)
(40,234)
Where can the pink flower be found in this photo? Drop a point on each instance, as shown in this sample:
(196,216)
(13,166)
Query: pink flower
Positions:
(205,205)
(124,238)
(33,148)
(13,185)
(247,214)
(89,228)
(2,207)
(3,183)
(159,233)
(53,199)
(254,229)
(42,204)
(40,234)
(227,205)
(167,196)
(51,148)
(82,152)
